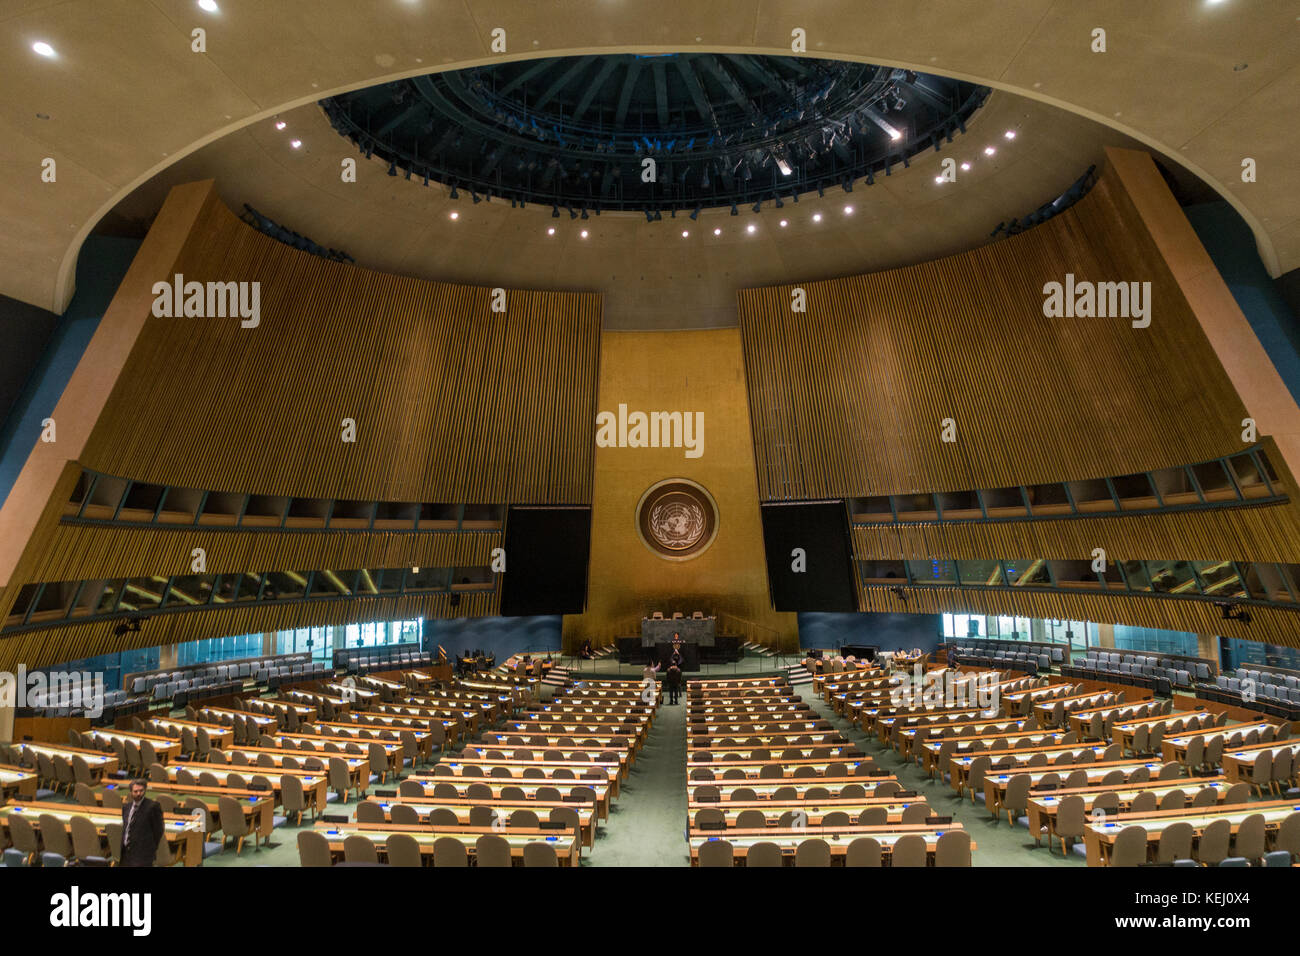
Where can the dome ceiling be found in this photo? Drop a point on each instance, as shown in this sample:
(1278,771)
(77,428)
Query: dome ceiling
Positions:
(580,132)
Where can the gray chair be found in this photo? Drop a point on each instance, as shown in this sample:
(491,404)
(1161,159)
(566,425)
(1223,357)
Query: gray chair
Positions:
(540,854)
(403,850)
(1250,841)
(234,825)
(952,849)
(450,852)
(1212,847)
(764,854)
(813,852)
(492,850)
(359,849)
(716,852)
(1130,847)
(864,851)
(1175,842)
(909,851)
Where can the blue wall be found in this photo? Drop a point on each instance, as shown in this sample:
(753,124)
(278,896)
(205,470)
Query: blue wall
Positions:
(1129,638)
(887,631)
(499,636)
(100,268)
(1231,245)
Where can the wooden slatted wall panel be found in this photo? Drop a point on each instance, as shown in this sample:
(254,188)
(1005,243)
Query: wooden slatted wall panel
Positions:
(56,645)
(1264,533)
(847,398)
(1272,625)
(452,402)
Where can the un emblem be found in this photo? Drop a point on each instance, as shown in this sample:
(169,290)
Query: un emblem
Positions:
(677,519)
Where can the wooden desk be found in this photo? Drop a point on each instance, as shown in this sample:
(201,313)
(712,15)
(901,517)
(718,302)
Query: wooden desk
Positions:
(99,762)
(358,767)
(958,765)
(822,738)
(839,838)
(905,737)
(568,846)
(1079,720)
(461,806)
(731,755)
(15,782)
(315,784)
(185,843)
(1043,806)
(1240,763)
(1175,748)
(814,810)
(264,723)
(572,756)
(529,788)
(1100,837)
(218,735)
(258,806)
(612,771)
(1122,733)
(165,747)
(930,749)
(1046,711)
(995,784)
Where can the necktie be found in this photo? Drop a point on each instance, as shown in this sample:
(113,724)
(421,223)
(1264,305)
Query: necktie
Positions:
(130,815)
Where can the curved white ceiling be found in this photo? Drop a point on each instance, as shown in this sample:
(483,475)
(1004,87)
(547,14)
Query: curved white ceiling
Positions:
(125,96)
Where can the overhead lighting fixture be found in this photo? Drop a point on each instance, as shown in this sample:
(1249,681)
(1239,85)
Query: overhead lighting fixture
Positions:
(649,216)
(734,210)
(453,194)
(583,233)
(281,125)
(782,165)
(43,48)
(784,223)
(209,5)
(938,179)
(848,210)
(817,217)
(550,231)
(296,143)
(965,166)
(1010,134)
(751,228)
(880,121)
(989,150)
(555,211)
(696,214)
(758,206)
(685,233)
(392,167)
(584,214)
(475,196)
(453,215)
(717,232)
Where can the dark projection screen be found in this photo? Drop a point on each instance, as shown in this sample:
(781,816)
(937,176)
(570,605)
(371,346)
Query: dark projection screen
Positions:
(821,529)
(547,549)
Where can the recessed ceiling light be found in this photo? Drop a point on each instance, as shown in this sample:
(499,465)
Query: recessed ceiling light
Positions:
(685,233)
(454,215)
(817,217)
(208,5)
(751,228)
(43,48)
(551,231)
(784,223)
(281,125)
(965,165)
(848,210)
(583,233)
(989,150)
(1010,134)
(938,179)
(717,232)
(295,143)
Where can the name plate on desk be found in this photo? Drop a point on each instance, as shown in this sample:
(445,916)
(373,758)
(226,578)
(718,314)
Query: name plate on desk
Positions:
(693,630)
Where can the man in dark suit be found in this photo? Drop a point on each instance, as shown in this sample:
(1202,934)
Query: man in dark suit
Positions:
(142,827)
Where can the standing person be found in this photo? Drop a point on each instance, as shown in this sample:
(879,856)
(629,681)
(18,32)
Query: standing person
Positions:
(674,681)
(142,828)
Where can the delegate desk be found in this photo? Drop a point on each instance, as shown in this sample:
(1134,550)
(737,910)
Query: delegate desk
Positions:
(905,738)
(462,807)
(1058,755)
(1100,837)
(1123,733)
(572,755)
(881,720)
(164,747)
(258,806)
(315,783)
(458,716)
(1080,721)
(1175,748)
(767,788)
(358,767)
(822,738)
(779,768)
(814,811)
(1043,806)
(17,782)
(962,746)
(733,728)
(101,764)
(185,842)
(996,781)
(839,838)
(218,736)
(1239,764)
(541,769)
(1045,711)
(501,789)
(705,685)
(265,723)
(392,748)
(567,845)
(559,726)
(730,755)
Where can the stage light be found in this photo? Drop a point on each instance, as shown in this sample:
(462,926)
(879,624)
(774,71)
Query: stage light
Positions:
(782,165)
(43,48)
(784,223)
(1010,134)
(453,215)
(649,216)
(209,5)
(572,214)
(758,206)
(475,196)
(879,120)
(989,150)
(281,125)
(965,166)
(584,214)
(550,231)
(848,210)
(696,214)
(296,143)
(583,234)
(751,228)
(817,217)
(717,232)
(426,177)
(555,211)
(779,204)
(685,233)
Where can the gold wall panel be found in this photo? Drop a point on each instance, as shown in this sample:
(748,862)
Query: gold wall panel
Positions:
(847,398)
(696,371)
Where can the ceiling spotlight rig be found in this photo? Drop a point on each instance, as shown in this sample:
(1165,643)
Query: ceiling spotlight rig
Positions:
(126,626)
(1233,612)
